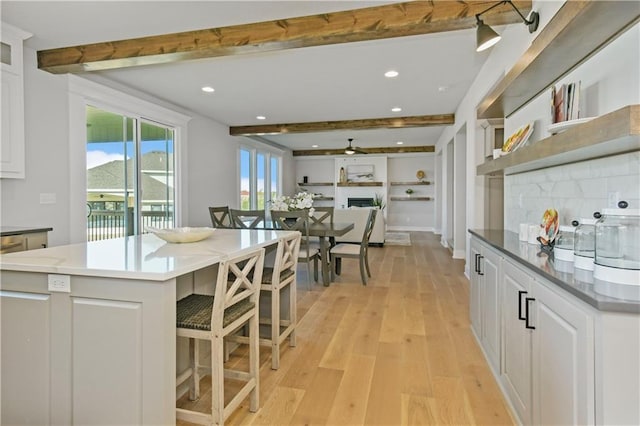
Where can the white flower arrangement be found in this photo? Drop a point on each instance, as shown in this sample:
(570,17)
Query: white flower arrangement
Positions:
(300,201)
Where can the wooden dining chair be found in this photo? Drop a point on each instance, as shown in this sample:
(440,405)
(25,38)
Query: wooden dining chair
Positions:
(355,251)
(221,217)
(206,317)
(323,214)
(298,220)
(247,218)
(278,299)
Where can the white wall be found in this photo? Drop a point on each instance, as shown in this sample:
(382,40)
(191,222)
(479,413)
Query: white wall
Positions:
(610,80)
(209,172)
(411,215)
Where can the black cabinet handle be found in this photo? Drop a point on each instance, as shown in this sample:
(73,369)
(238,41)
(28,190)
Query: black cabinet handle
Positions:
(520,317)
(477,267)
(480,257)
(526,312)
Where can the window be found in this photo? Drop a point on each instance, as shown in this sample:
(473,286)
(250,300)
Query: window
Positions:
(130,179)
(259,178)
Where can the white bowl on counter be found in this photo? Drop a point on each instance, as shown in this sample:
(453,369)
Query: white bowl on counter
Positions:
(182,235)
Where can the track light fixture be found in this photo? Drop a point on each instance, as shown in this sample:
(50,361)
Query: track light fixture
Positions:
(487,37)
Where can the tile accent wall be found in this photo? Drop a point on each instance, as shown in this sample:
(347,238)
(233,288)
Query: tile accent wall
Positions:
(575,190)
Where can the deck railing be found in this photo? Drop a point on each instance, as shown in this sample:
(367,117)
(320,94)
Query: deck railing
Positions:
(105,224)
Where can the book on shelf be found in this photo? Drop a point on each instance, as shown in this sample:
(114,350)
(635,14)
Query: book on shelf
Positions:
(565,102)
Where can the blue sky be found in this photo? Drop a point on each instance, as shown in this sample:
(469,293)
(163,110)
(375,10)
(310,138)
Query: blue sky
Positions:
(103,152)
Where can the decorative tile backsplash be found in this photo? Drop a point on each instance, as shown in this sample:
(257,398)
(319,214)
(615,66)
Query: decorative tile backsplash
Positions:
(575,190)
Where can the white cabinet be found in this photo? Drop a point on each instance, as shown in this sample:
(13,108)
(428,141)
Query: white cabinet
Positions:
(516,340)
(563,359)
(538,339)
(12,137)
(485,300)
(36,240)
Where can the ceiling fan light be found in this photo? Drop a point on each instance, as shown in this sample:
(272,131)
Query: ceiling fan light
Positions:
(349,151)
(485,36)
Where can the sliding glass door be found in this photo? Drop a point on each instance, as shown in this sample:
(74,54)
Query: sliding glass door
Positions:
(130,175)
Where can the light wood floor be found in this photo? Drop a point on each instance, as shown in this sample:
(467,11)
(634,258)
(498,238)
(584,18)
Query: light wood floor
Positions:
(398,351)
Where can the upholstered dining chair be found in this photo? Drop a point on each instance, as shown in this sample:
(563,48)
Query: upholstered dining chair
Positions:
(247,218)
(221,217)
(298,220)
(355,251)
(205,317)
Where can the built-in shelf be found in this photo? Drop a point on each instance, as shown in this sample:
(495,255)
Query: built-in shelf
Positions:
(421,182)
(315,184)
(411,198)
(360,184)
(615,133)
(576,32)
(323,198)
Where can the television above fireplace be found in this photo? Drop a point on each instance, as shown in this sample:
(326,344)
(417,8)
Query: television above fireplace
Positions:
(360,202)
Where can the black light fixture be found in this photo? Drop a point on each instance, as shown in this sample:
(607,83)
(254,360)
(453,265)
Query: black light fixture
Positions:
(350,150)
(487,37)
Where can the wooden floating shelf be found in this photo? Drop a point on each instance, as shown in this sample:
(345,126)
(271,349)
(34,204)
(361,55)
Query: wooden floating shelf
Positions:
(411,198)
(359,183)
(576,32)
(323,198)
(315,184)
(611,134)
(422,182)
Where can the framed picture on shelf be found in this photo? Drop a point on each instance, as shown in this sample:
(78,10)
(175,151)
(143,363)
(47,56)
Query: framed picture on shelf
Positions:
(360,173)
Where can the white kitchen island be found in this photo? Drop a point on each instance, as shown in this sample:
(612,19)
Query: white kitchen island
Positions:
(103,350)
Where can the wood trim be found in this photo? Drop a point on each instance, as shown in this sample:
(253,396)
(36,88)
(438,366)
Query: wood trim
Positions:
(373,23)
(611,134)
(381,150)
(315,184)
(421,182)
(359,183)
(575,33)
(326,126)
(411,198)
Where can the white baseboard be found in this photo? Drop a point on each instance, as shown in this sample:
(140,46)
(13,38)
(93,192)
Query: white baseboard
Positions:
(459,254)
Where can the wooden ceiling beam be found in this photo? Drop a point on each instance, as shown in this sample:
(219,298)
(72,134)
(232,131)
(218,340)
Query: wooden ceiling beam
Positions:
(373,23)
(327,126)
(382,150)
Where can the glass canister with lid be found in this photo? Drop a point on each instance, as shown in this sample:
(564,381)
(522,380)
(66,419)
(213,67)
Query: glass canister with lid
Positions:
(617,250)
(584,242)
(563,248)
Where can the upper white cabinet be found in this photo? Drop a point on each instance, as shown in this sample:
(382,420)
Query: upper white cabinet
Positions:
(12,143)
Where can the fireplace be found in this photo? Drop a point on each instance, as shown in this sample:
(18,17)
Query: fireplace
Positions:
(360,202)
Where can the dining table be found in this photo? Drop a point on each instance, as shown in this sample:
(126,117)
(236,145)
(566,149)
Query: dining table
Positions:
(326,233)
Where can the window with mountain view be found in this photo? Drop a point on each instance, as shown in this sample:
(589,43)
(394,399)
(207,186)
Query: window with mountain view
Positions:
(130,175)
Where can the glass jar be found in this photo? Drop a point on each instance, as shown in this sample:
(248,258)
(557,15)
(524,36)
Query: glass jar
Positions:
(617,249)
(584,242)
(563,248)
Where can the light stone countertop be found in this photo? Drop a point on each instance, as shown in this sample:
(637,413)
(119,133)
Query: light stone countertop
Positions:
(604,296)
(143,257)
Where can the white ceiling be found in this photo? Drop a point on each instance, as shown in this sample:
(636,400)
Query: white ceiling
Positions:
(337,82)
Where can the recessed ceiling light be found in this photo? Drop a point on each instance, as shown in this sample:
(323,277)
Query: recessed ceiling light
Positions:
(261,117)
(391,73)
(314,146)
(399,143)
(208,89)
(396,109)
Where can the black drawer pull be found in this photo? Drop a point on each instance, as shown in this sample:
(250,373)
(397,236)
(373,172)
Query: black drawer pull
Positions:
(477,267)
(480,257)
(526,313)
(520,317)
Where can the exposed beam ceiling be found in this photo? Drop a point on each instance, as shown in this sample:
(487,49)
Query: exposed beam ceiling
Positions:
(374,23)
(323,126)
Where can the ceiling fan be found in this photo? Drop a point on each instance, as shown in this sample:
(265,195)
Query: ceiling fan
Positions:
(350,150)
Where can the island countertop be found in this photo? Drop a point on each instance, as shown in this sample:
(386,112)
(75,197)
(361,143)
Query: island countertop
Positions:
(145,257)
(17,230)
(604,296)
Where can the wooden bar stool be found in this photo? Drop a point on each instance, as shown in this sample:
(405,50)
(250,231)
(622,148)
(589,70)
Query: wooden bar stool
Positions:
(204,317)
